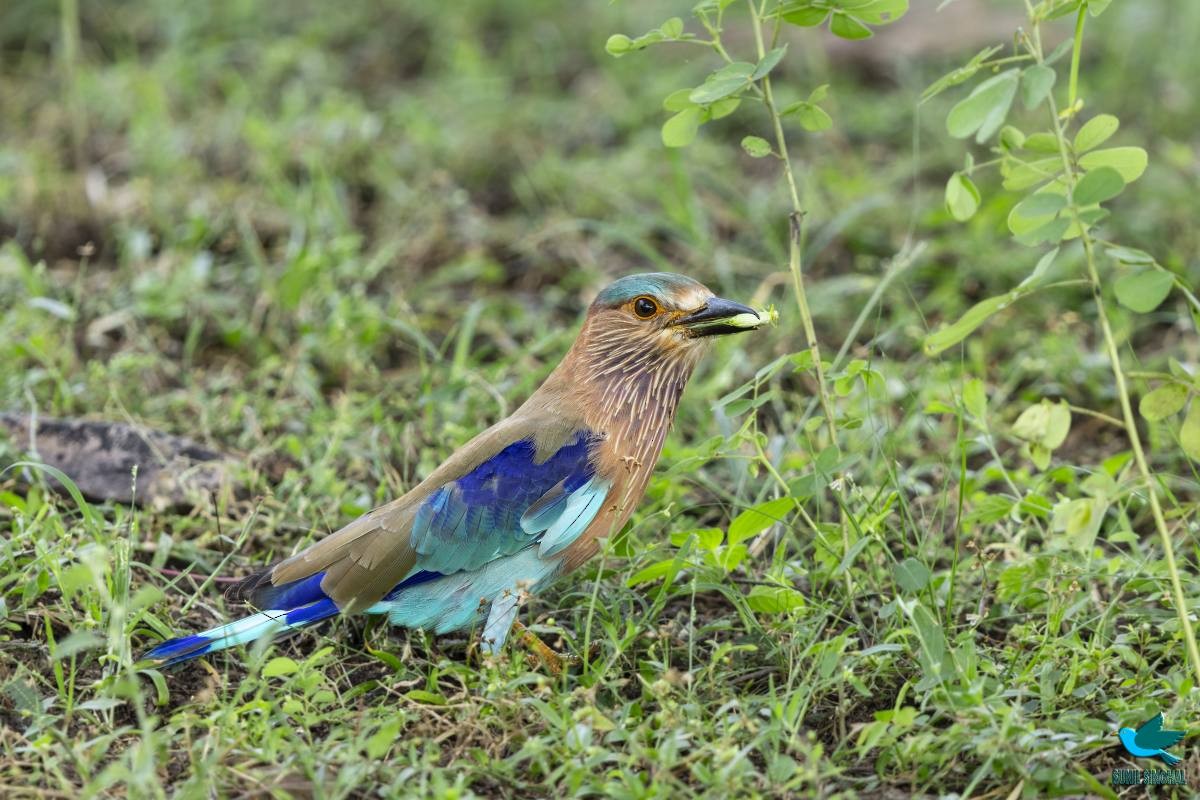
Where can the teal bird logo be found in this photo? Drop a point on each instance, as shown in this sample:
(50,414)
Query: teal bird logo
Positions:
(1151,741)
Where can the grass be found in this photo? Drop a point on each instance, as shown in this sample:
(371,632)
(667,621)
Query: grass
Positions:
(339,241)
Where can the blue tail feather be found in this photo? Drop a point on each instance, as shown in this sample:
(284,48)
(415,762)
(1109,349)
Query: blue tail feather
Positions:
(293,605)
(242,631)
(291,595)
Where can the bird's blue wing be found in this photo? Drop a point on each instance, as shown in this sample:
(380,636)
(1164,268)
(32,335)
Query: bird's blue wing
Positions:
(512,502)
(509,502)
(1152,737)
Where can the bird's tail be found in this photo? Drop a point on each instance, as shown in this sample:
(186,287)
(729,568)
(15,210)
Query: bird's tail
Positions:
(1169,758)
(242,631)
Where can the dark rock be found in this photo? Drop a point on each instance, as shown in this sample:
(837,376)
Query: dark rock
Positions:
(100,456)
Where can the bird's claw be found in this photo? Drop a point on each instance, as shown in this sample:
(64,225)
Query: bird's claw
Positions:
(542,654)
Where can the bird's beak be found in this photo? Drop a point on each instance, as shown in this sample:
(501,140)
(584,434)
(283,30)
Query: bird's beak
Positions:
(718,317)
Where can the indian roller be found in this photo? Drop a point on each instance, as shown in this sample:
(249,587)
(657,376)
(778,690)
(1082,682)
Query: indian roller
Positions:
(1151,741)
(523,502)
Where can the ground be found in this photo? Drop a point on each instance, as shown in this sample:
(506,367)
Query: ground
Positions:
(336,240)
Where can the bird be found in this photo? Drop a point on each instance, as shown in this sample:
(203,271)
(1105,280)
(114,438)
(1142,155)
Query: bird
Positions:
(520,504)
(1151,741)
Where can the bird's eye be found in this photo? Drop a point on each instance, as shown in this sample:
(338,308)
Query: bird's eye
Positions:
(645,307)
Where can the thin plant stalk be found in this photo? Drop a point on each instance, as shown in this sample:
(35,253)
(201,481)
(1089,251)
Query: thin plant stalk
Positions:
(795,227)
(1114,358)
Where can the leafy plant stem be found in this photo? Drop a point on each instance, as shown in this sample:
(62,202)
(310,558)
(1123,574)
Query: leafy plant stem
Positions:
(1139,454)
(1114,358)
(1076,51)
(1187,293)
(796,222)
(958,515)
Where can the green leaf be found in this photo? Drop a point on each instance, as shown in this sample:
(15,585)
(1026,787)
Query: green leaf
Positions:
(1055,230)
(1055,9)
(1144,290)
(768,63)
(983,111)
(1031,423)
(1060,51)
(1130,255)
(805,16)
(1011,137)
(1032,221)
(279,666)
(1165,401)
(757,519)
(1095,132)
(661,569)
(1039,270)
(911,575)
(672,28)
(930,636)
(728,558)
(1036,83)
(756,146)
(729,80)
(962,197)
(24,697)
(680,130)
(959,75)
(975,400)
(975,316)
(1039,454)
(1041,142)
(74,578)
(847,27)
(618,45)
(1129,161)
(678,100)
(1081,520)
(90,515)
(1098,185)
(1045,424)
(382,740)
(774,599)
(990,509)
(1040,204)
(1097,7)
(425,698)
(74,644)
(882,12)
(813,117)
(706,538)
(1189,433)
(1058,425)
(723,108)
(1018,176)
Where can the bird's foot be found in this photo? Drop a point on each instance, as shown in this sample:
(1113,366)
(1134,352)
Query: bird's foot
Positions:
(542,653)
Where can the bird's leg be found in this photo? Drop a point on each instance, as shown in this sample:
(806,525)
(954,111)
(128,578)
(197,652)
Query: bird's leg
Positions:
(500,620)
(502,617)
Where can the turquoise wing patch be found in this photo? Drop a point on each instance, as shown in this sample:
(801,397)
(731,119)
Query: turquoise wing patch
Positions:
(508,503)
(574,512)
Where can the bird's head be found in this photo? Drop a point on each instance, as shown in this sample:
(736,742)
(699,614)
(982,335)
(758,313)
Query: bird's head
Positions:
(642,337)
(664,313)
(1126,735)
